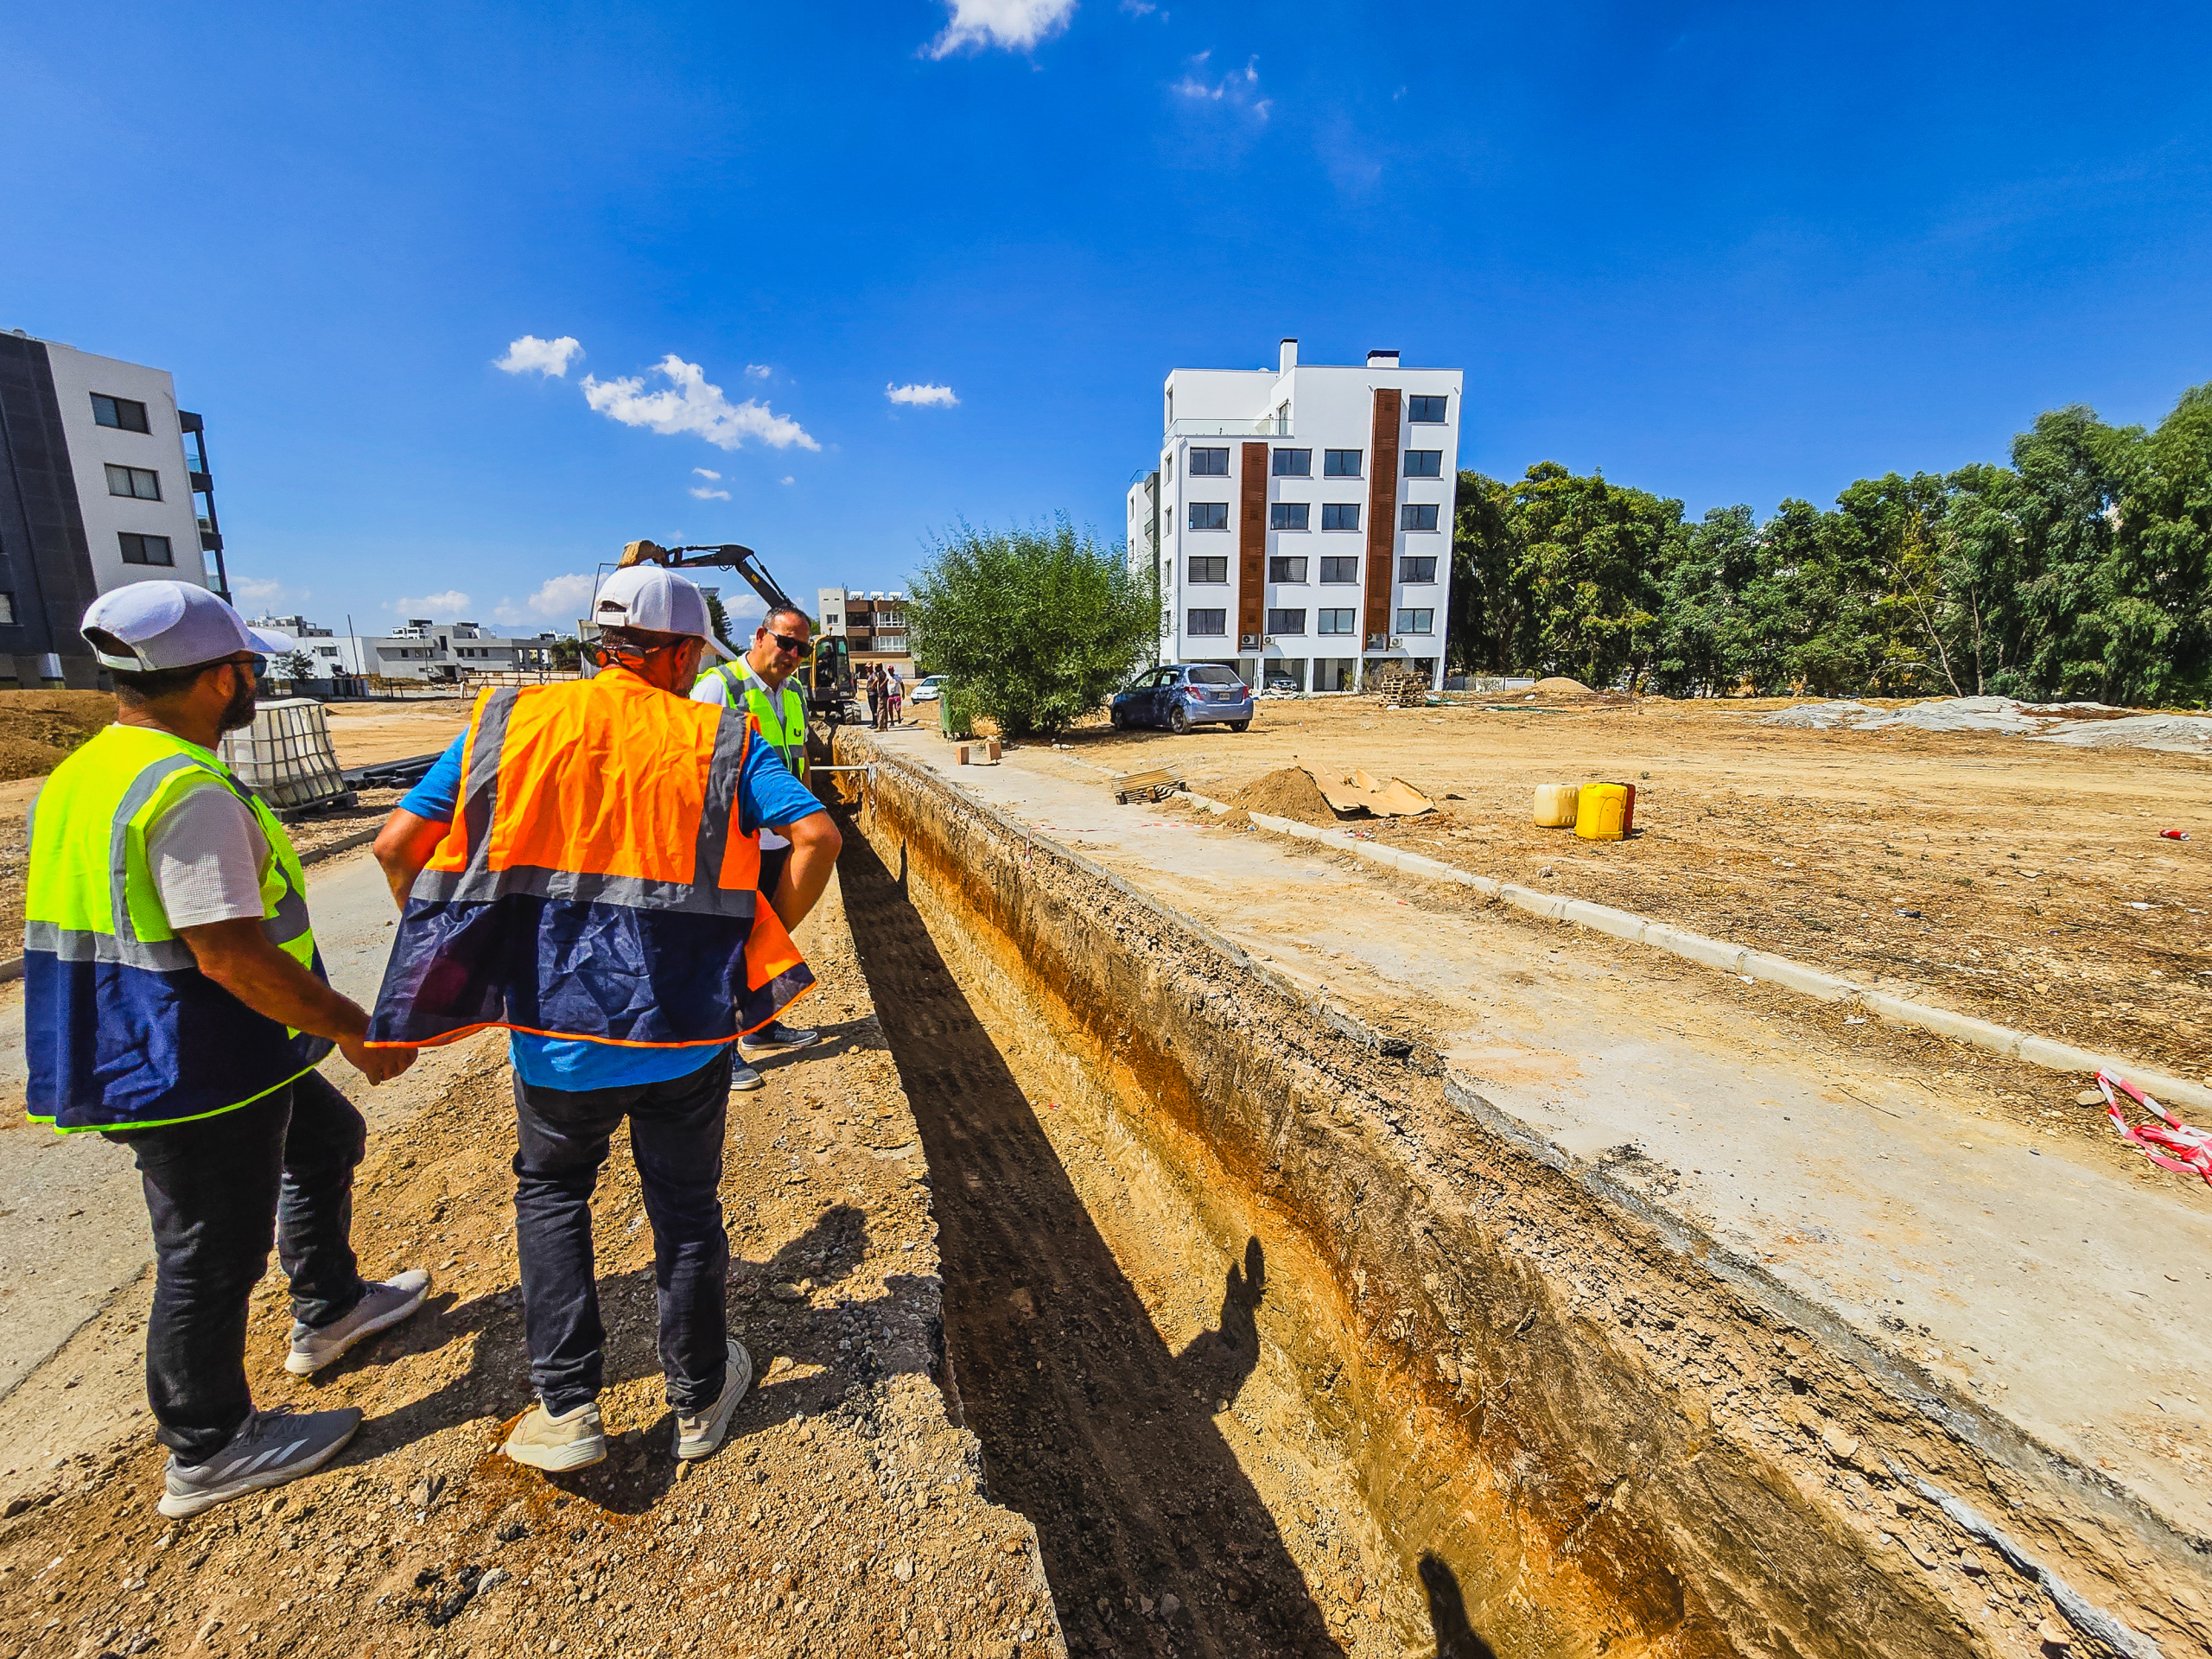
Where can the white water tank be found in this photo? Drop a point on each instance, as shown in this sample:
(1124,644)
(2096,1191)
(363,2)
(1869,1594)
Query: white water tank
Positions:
(285,756)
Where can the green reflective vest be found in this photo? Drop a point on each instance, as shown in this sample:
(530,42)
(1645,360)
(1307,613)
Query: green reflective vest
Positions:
(123,1029)
(782,715)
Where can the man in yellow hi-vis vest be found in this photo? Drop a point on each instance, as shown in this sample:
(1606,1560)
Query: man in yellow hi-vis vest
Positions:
(173,1001)
(759,682)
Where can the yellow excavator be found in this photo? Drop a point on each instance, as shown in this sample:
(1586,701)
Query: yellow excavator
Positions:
(826,676)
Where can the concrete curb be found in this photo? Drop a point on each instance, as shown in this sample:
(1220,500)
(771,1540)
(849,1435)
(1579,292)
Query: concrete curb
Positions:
(1746,963)
(14,968)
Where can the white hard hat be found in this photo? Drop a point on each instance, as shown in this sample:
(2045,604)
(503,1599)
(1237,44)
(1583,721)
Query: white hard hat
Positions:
(659,601)
(171,625)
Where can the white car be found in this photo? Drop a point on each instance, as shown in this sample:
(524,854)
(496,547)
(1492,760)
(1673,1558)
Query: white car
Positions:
(928,690)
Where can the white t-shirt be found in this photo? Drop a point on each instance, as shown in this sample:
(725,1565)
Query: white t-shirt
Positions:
(206,855)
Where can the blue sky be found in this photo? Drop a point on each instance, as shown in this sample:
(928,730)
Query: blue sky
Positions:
(1725,252)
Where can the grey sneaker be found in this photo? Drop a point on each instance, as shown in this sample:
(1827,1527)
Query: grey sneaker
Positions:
(775,1036)
(383,1305)
(572,1440)
(699,1433)
(269,1449)
(743,1080)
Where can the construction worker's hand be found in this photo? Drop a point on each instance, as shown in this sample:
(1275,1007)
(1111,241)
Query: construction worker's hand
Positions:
(376,1065)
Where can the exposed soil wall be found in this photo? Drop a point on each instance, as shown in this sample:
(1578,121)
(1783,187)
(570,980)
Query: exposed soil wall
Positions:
(1574,1429)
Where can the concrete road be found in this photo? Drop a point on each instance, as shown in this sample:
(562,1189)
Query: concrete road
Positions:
(2062,1282)
(72,1225)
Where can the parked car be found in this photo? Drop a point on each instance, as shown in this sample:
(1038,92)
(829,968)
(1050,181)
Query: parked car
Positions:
(1283,685)
(928,690)
(1184,694)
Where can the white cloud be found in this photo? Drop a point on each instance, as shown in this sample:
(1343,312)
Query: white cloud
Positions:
(450,605)
(759,370)
(691,403)
(1017,25)
(1238,89)
(1139,8)
(560,598)
(709,493)
(546,356)
(266,593)
(787,478)
(922,396)
(708,472)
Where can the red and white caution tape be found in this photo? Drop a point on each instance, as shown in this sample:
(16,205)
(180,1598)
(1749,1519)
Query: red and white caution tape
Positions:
(2168,1142)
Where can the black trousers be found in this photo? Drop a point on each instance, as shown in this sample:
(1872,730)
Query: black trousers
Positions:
(217,1190)
(676,1139)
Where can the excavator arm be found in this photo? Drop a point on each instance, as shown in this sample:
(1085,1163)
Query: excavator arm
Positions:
(826,675)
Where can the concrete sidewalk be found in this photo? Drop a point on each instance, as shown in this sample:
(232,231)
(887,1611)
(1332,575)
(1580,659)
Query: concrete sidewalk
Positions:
(2058,1283)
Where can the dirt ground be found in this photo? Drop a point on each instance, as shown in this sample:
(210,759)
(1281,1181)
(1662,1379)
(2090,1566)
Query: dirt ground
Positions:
(2024,882)
(845,1516)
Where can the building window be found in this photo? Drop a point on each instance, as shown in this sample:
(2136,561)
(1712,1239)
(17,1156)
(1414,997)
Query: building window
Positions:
(146,549)
(120,413)
(1215,569)
(1340,515)
(1417,567)
(1207,624)
(1281,569)
(1293,463)
(7,610)
(1209,515)
(1286,621)
(1344,568)
(134,482)
(1340,463)
(1427,411)
(1420,621)
(1288,515)
(1424,463)
(326,650)
(1339,622)
(1209,463)
(1417,515)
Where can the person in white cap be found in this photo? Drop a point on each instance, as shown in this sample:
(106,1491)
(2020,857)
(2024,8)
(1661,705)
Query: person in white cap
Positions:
(174,1002)
(582,868)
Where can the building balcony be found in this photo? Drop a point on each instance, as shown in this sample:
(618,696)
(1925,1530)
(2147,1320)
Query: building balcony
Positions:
(1269,426)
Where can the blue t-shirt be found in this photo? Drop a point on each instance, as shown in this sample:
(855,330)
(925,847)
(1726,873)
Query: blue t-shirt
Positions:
(766,794)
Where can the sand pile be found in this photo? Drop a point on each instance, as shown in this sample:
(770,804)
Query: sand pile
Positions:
(1290,792)
(2083,725)
(1558,685)
(38,729)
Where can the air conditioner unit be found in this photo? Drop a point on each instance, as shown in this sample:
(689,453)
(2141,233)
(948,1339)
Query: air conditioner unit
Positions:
(1247,641)
(1397,644)
(1266,638)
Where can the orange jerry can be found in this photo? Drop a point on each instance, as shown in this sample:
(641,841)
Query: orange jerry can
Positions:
(1605,811)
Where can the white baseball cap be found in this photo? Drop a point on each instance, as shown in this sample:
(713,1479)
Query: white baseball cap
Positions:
(170,625)
(658,601)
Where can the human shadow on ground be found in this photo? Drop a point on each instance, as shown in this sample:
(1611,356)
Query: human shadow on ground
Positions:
(1447,1613)
(1090,1426)
(493,1388)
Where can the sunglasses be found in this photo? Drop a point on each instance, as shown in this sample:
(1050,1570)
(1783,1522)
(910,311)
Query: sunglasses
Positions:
(784,642)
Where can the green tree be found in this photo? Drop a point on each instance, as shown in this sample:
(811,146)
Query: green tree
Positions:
(1038,626)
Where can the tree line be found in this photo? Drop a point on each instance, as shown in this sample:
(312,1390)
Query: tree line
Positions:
(2081,570)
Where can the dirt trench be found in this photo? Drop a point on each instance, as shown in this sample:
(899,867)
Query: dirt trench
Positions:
(1252,1307)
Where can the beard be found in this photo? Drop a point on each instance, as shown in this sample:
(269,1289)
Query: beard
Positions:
(237,713)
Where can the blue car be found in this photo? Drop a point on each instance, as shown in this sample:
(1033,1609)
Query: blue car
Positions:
(1185,694)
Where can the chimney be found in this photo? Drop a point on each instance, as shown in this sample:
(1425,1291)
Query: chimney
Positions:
(1289,356)
(1382,360)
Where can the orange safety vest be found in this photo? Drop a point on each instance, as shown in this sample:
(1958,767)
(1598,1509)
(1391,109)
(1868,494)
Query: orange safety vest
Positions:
(593,883)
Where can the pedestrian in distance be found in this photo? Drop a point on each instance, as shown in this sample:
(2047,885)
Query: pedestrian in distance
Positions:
(763,684)
(174,1002)
(875,697)
(582,868)
(894,691)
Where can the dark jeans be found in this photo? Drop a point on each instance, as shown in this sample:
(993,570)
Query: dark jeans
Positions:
(676,1139)
(217,1189)
(772,859)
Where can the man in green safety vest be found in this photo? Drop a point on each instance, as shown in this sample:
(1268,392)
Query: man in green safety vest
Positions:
(759,682)
(173,1001)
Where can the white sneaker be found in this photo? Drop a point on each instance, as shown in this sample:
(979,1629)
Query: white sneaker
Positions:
(383,1305)
(575,1439)
(699,1433)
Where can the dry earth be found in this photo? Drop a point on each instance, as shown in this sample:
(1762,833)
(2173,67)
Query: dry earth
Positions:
(2024,882)
(846,1515)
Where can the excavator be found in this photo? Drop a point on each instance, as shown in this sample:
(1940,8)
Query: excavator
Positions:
(826,676)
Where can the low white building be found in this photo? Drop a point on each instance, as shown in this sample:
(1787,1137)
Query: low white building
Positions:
(104,481)
(436,651)
(1300,519)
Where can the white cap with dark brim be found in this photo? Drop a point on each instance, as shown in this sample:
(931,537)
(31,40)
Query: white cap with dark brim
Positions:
(165,625)
(657,600)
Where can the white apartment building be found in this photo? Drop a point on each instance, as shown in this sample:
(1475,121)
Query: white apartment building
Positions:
(1301,520)
(436,651)
(104,480)
(873,625)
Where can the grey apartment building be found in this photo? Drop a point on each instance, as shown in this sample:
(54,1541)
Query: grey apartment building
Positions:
(104,480)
